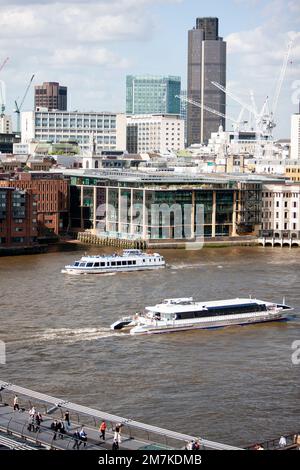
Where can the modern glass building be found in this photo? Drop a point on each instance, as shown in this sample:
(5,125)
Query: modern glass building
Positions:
(164,207)
(149,94)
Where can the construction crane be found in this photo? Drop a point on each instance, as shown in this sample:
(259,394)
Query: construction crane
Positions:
(2,89)
(265,118)
(4,63)
(19,106)
(237,122)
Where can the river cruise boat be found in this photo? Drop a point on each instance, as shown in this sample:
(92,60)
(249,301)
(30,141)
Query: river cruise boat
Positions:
(129,260)
(185,314)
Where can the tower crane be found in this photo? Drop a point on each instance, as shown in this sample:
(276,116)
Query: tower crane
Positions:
(19,106)
(237,122)
(265,118)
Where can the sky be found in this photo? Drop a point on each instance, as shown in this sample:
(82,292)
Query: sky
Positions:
(91,45)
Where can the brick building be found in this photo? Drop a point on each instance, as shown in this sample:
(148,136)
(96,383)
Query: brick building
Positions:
(18,217)
(52,192)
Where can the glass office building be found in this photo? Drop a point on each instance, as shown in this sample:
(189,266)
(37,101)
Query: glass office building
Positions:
(148,94)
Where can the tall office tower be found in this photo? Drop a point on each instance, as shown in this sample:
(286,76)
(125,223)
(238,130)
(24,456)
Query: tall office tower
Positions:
(51,95)
(206,63)
(183,113)
(148,94)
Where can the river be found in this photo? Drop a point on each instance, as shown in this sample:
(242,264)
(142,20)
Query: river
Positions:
(236,385)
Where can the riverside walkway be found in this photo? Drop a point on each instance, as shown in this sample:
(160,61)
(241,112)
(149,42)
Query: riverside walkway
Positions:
(135,435)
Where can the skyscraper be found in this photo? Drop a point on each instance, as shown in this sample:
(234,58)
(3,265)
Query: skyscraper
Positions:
(148,94)
(51,95)
(206,63)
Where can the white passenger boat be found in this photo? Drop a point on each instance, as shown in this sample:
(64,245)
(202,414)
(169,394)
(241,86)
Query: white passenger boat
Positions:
(185,314)
(130,260)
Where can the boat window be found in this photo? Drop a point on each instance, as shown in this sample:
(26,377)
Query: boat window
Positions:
(113,263)
(102,264)
(129,263)
(89,265)
(134,262)
(82,265)
(124,263)
(119,263)
(96,265)
(76,264)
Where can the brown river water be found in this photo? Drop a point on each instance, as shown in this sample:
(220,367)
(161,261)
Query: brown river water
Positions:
(235,385)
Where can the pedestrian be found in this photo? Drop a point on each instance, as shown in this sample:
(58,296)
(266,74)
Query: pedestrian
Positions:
(37,422)
(76,438)
(31,421)
(117,435)
(197,445)
(54,427)
(16,403)
(67,419)
(83,437)
(115,445)
(102,430)
(32,411)
(282,442)
(61,429)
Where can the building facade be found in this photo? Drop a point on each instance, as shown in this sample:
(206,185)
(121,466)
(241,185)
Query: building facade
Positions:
(281,210)
(108,129)
(292,170)
(163,207)
(206,63)
(155,133)
(150,94)
(52,96)
(52,199)
(5,124)
(295,137)
(18,219)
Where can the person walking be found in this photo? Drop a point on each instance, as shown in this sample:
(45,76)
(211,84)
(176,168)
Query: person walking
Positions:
(37,422)
(117,435)
(61,429)
(67,420)
(83,437)
(102,430)
(76,438)
(16,403)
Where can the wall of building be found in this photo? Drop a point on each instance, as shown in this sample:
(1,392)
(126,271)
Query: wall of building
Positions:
(149,94)
(281,209)
(52,193)
(18,219)
(154,133)
(108,129)
(295,137)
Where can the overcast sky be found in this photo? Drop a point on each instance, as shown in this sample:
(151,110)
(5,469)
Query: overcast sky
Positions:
(91,45)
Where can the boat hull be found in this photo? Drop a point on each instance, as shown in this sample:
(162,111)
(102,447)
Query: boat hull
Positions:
(110,270)
(148,329)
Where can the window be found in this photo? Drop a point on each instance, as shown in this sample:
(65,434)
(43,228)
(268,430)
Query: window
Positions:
(89,265)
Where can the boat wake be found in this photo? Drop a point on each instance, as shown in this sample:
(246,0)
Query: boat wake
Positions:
(68,335)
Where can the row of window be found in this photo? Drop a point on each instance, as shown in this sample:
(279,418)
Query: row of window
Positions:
(107,264)
(216,311)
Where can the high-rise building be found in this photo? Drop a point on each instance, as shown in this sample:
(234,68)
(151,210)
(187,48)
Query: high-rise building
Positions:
(51,95)
(206,63)
(148,94)
(295,137)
